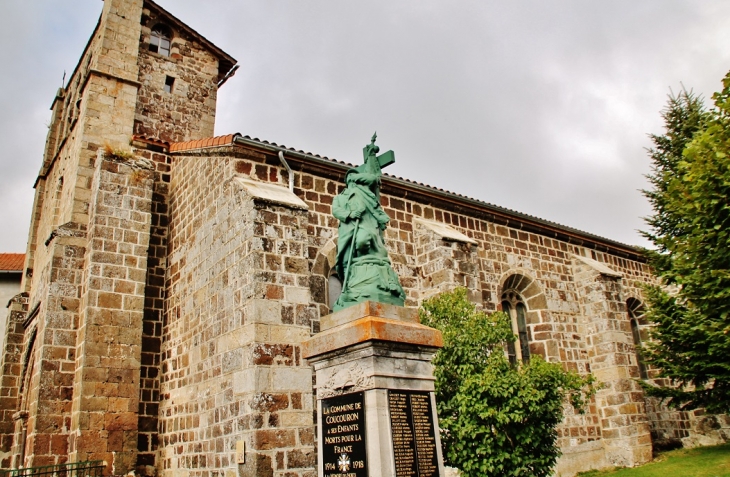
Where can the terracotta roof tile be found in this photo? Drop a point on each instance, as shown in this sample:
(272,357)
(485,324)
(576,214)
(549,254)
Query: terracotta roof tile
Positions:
(151,140)
(11,262)
(201,143)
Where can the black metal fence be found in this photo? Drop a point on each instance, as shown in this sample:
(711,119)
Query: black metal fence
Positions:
(94,468)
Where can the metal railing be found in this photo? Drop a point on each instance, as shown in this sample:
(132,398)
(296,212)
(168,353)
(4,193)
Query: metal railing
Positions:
(94,468)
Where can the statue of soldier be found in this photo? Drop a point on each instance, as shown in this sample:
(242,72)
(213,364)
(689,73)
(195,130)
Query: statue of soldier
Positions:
(362,259)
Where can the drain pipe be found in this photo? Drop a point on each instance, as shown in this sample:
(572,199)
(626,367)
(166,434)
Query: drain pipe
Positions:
(288,169)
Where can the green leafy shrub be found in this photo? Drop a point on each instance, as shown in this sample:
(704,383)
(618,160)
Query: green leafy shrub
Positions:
(496,419)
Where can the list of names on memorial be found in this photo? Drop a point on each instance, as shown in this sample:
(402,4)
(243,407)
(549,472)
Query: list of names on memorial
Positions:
(343,436)
(404,448)
(413,431)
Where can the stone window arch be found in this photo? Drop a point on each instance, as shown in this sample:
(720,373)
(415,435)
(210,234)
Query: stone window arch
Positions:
(636,317)
(522,298)
(160,39)
(324,283)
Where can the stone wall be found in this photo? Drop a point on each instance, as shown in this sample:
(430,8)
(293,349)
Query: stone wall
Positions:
(12,359)
(96,108)
(612,358)
(85,278)
(238,306)
(495,257)
(188,111)
(104,418)
(151,357)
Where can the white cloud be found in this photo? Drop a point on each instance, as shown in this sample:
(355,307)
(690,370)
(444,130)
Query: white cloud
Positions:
(543,107)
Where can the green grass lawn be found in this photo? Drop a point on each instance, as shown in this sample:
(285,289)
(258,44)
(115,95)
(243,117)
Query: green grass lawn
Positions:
(699,462)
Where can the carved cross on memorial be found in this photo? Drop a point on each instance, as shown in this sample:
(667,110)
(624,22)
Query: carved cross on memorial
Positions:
(362,259)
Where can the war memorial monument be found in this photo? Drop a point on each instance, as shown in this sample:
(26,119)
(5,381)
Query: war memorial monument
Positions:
(372,357)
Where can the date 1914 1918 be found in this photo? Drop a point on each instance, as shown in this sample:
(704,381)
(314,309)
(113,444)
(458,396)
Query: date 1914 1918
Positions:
(343,436)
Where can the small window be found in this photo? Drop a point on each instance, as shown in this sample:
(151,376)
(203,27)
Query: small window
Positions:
(160,40)
(511,350)
(169,82)
(522,332)
(514,307)
(636,314)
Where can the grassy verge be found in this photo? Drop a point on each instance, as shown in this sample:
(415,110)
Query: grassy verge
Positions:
(699,462)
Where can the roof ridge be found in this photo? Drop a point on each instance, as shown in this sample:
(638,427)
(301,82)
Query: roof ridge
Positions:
(505,210)
(200,144)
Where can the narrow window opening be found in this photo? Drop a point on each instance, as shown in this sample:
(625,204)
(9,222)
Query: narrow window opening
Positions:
(522,332)
(160,40)
(511,351)
(636,312)
(169,82)
(519,350)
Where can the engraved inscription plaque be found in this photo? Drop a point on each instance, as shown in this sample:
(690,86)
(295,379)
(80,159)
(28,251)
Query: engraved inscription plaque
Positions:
(404,447)
(343,436)
(414,437)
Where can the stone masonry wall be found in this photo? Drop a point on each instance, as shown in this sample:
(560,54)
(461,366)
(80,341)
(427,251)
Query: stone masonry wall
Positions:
(49,353)
(104,420)
(620,402)
(188,111)
(555,313)
(238,307)
(149,379)
(12,356)
(445,265)
(96,107)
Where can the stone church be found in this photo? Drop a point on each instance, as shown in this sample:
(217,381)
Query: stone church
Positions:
(171,277)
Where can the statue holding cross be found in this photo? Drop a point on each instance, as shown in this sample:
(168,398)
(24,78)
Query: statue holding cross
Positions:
(362,259)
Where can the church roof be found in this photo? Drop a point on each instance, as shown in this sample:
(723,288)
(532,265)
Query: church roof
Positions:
(11,262)
(494,213)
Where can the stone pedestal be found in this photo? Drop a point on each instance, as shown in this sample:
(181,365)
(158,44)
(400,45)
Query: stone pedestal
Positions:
(375,393)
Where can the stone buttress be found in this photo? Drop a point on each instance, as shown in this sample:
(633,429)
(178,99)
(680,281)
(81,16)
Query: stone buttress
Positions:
(238,309)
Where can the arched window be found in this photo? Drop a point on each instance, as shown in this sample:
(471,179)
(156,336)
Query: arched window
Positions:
(636,316)
(160,40)
(514,306)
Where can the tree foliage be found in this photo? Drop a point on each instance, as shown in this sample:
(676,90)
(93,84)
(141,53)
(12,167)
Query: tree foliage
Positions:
(496,419)
(691,230)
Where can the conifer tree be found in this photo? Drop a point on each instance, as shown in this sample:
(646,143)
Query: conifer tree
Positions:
(690,228)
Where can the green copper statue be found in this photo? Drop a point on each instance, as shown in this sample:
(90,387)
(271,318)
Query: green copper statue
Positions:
(362,259)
